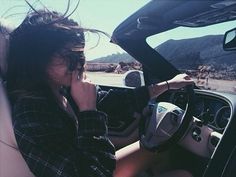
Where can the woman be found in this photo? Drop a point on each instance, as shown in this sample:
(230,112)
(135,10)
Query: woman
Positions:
(56,138)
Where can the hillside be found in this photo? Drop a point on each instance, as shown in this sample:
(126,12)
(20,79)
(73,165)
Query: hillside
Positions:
(188,53)
(114,58)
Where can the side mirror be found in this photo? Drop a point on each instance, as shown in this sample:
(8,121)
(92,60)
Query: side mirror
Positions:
(230,40)
(133,78)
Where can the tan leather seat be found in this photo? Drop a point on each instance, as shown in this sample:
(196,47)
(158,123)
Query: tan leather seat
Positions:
(12,163)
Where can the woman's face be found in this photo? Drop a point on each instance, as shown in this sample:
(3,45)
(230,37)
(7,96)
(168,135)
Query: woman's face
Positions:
(58,72)
(63,64)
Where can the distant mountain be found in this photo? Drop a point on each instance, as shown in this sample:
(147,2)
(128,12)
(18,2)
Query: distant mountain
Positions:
(190,53)
(114,58)
(187,53)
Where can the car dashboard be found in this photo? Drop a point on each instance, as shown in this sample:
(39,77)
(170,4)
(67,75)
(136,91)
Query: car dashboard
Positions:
(212,113)
(214,109)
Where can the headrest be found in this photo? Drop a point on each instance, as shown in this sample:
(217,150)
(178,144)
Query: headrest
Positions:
(5,29)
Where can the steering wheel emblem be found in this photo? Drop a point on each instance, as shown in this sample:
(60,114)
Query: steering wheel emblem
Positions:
(161,109)
(167,124)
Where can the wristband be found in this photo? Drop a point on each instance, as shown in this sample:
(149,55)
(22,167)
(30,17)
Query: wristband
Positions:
(168,86)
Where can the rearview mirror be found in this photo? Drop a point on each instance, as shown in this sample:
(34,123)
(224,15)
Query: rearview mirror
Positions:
(230,40)
(133,78)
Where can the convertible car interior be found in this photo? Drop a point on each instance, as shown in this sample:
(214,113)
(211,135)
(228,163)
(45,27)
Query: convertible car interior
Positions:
(207,147)
(193,128)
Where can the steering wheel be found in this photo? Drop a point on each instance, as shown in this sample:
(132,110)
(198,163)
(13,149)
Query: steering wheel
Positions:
(167,124)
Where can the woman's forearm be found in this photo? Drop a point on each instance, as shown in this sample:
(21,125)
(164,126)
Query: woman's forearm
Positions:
(157,89)
(179,81)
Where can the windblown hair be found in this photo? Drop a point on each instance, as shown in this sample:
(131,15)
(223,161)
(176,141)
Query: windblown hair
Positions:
(41,35)
(5,29)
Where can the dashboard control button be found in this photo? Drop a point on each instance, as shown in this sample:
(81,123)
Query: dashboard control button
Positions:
(196,132)
(214,141)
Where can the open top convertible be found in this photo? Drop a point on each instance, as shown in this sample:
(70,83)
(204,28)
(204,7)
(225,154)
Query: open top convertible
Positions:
(192,128)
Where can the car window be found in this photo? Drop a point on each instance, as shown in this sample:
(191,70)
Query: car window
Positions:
(199,53)
(112,70)
(103,57)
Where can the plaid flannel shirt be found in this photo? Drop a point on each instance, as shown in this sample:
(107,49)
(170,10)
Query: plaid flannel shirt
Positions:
(53,146)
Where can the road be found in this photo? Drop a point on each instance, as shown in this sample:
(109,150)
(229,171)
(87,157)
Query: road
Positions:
(102,78)
(113,79)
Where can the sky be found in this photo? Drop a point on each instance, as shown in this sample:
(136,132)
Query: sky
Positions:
(104,15)
(186,33)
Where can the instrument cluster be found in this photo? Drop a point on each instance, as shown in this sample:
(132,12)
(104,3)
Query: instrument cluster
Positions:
(212,111)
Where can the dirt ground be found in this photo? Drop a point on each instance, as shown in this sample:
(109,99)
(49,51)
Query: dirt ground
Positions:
(102,78)
(114,79)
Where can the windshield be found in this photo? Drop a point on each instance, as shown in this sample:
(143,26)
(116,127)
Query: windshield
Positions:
(199,53)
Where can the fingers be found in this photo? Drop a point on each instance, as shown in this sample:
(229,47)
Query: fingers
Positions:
(83,92)
(84,76)
(187,77)
(184,76)
(86,79)
(75,75)
(181,80)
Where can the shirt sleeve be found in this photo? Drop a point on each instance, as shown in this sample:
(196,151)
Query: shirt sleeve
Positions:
(51,146)
(123,102)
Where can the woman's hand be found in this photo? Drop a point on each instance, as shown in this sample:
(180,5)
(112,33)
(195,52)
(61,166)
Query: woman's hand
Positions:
(179,81)
(83,92)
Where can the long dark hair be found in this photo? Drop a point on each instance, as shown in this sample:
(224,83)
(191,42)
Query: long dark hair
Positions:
(5,29)
(32,45)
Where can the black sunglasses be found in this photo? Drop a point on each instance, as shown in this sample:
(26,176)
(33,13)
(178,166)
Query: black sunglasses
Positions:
(75,60)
